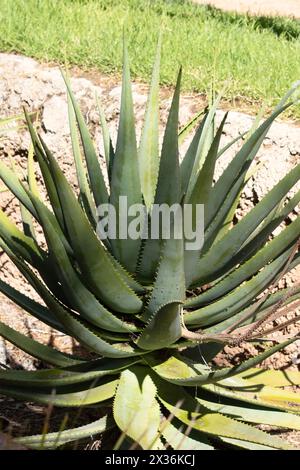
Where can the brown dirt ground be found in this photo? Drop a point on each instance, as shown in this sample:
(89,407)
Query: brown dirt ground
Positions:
(263,7)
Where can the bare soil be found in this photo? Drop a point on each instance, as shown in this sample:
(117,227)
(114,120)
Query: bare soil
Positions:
(289,8)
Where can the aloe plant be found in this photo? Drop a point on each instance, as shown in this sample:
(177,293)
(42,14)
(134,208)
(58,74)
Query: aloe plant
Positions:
(152,313)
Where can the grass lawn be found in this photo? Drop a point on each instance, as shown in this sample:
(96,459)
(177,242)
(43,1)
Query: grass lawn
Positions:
(260,57)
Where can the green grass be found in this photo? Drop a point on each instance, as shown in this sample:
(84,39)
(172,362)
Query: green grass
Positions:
(259,56)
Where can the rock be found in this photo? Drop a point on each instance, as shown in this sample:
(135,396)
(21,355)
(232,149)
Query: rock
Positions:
(55,116)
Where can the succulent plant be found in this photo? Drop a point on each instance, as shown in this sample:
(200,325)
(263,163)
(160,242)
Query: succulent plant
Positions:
(151,313)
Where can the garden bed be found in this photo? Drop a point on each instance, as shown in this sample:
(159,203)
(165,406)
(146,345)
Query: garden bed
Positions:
(40,88)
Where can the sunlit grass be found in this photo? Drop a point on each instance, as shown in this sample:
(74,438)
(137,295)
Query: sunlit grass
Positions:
(259,57)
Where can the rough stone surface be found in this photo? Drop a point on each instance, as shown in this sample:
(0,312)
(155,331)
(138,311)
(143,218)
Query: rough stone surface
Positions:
(41,89)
